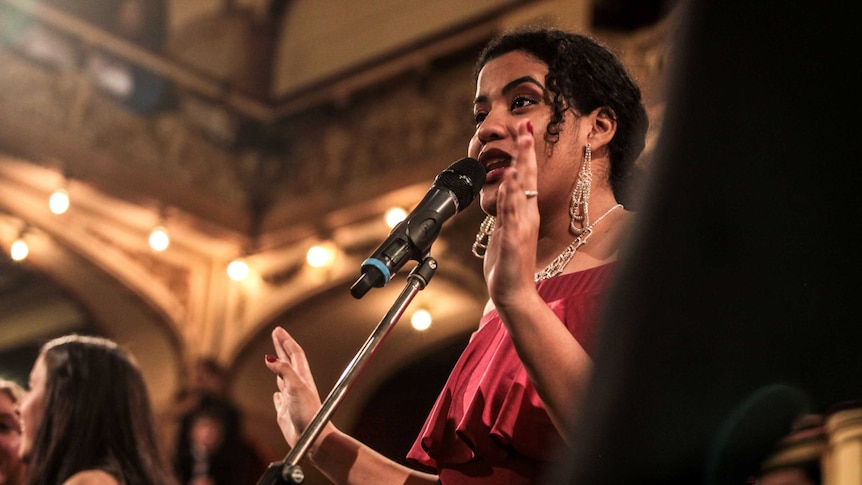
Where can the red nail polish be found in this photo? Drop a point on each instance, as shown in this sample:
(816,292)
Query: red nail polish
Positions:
(530,127)
(271,358)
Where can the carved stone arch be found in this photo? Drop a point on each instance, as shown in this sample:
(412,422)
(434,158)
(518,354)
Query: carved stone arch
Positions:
(105,233)
(115,311)
(82,262)
(120,314)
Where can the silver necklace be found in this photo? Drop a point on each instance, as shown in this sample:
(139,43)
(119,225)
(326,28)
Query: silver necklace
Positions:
(559,263)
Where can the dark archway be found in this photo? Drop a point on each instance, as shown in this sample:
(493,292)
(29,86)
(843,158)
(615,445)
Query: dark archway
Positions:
(393,416)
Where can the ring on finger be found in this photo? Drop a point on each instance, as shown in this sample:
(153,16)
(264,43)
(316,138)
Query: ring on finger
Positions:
(531,193)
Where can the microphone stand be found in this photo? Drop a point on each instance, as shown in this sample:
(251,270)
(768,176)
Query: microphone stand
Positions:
(288,471)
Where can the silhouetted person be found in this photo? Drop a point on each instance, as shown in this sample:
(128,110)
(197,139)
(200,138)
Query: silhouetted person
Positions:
(737,303)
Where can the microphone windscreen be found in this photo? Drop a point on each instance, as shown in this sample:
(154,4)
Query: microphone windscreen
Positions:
(464,179)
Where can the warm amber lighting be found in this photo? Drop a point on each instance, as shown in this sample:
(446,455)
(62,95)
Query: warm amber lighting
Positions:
(59,201)
(19,250)
(237,270)
(320,255)
(394,216)
(421,320)
(159,239)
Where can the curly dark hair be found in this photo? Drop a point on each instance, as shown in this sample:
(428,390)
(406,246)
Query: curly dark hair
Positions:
(586,75)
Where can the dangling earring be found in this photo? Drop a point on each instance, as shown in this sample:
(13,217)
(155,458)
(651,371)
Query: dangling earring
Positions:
(579,209)
(483,236)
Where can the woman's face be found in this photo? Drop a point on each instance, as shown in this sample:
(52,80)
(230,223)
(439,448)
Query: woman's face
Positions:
(511,88)
(33,407)
(11,467)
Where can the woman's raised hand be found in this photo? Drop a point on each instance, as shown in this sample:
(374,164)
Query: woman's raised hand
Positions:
(297,400)
(511,257)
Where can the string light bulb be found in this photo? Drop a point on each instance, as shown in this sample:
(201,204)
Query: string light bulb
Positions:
(394,216)
(159,239)
(421,319)
(320,255)
(237,270)
(59,201)
(19,250)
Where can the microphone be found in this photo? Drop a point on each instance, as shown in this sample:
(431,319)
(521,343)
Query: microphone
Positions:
(453,190)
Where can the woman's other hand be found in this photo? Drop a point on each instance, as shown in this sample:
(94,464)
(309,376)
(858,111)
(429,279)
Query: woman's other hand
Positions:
(297,400)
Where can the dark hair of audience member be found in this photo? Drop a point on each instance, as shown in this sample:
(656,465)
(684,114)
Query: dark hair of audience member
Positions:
(97,416)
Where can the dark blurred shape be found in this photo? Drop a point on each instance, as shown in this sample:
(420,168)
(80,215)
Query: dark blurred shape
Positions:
(211,448)
(743,268)
(750,433)
(626,15)
(798,458)
(143,23)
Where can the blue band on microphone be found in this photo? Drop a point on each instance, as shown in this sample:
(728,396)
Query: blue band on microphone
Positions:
(387,275)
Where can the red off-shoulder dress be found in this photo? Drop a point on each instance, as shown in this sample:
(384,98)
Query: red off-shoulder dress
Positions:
(488,425)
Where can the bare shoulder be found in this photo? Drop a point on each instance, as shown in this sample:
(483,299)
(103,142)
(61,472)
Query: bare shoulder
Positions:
(91,477)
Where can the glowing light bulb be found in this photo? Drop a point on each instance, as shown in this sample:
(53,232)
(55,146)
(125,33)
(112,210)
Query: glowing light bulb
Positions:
(19,250)
(394,216)
(421,320)
(237,270)
(320,256)
(59,201)
(159,239)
